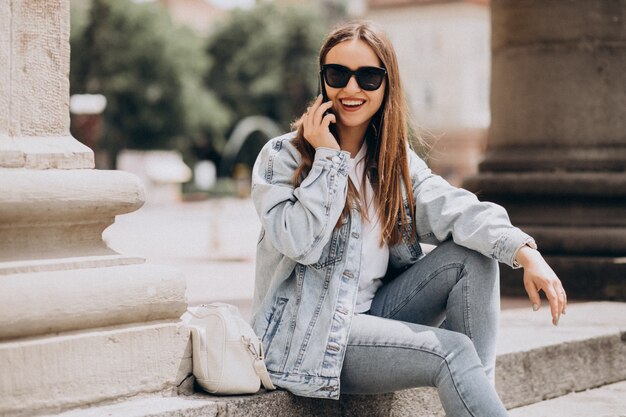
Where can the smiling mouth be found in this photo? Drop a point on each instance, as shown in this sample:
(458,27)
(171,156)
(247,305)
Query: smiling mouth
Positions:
(352,104)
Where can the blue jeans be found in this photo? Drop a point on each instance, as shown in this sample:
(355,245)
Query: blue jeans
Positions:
(434,325)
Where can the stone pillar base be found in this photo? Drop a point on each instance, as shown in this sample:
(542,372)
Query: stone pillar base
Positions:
(577,218)
(80,323)
(51,374)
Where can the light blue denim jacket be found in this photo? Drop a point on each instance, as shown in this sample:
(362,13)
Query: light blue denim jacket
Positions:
(307,271)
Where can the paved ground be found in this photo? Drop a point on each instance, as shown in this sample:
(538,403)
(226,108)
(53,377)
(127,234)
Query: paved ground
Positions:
(213,242)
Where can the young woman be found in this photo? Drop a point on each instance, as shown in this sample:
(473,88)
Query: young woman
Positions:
(344,297)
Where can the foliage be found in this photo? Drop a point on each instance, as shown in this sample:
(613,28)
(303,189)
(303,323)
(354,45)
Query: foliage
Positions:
(151,74)
(264,61)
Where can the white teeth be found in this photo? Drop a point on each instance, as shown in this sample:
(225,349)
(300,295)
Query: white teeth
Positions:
(352,102)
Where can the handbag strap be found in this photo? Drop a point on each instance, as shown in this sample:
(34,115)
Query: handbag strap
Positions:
(259,362)
(261,371)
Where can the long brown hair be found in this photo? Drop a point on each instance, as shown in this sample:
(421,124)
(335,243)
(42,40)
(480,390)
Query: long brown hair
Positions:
(387,138)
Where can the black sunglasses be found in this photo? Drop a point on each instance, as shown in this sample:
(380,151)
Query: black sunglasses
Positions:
(368,78)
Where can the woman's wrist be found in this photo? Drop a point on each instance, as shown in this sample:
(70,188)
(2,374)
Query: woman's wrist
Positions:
(525,254)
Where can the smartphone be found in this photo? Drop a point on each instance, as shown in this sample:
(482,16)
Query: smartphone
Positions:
(322,88)
(324,95)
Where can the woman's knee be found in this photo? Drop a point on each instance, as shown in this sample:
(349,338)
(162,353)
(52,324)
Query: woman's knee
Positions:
(459,353)
(470,258)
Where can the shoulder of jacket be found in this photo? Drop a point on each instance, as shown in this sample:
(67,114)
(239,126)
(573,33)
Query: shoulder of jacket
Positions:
(415,161)
(282,147)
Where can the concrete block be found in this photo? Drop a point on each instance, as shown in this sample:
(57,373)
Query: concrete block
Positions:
(521,23)
(53,152)
(57,301)
(536,97)
(537,360)
(40,53)
(74,369)
(5,69)
(61,213)
(533,159)
(557,74)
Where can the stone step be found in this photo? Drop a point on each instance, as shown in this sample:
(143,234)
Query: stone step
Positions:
(41,374)
(606,401)
(536,361)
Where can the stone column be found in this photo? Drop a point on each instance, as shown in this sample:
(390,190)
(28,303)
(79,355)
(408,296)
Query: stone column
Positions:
(556,154)
(79,323)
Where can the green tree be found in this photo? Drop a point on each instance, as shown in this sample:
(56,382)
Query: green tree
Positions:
(151,73)
(264,61)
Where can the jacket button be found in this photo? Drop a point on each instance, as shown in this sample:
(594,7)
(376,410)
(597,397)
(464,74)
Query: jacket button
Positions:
(355,235)
(342,311)
(348,274)
(334,347)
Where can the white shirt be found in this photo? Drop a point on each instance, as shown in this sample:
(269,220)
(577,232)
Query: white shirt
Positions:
(374,258)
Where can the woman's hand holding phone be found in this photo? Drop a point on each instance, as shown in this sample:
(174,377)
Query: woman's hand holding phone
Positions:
(316,122)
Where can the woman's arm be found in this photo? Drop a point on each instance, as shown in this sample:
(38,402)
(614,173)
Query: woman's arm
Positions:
(299,221)
(444,211)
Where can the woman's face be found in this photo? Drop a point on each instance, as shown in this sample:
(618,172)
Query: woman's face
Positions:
(353,106)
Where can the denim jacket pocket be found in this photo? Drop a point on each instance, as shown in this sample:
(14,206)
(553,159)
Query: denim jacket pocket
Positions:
(274,322)
(333,251)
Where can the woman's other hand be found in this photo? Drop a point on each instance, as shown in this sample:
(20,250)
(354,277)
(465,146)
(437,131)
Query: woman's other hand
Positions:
(315,125)
(539,276)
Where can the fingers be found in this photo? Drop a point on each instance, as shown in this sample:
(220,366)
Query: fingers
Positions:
(561,295)
(316,124)
(315,113)
(533,294)
(558,299)
(554,293)
(319,110)
(328,119)
(553,299)
(538,276)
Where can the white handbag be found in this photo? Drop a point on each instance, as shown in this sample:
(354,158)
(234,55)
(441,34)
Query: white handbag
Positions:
(227,354)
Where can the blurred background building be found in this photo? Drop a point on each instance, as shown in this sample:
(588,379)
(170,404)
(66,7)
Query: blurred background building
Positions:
(444,58)
(189,76)
(221,62)
(199,15)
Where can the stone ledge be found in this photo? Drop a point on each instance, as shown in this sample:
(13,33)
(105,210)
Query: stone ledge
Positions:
(73,369)
(602,185)
(61,213)
(59,195)
(66,264)
(57,301)
(607,401)
(34,152)
(536,361)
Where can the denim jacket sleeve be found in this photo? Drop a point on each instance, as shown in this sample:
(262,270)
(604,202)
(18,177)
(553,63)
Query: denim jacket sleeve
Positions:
(299,221)
(443,211)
